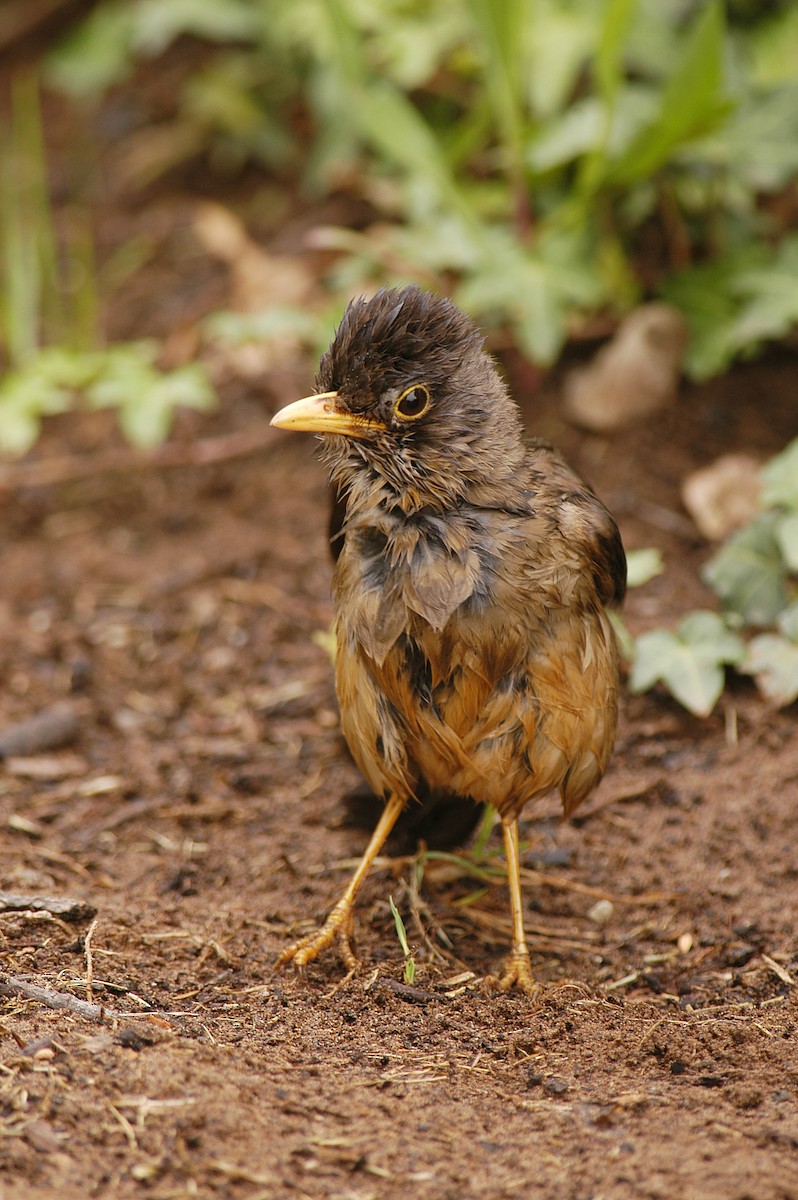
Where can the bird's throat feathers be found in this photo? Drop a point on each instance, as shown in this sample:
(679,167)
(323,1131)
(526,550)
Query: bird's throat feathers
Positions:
(389,482)
(383,475)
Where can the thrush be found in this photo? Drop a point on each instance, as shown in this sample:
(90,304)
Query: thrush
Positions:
(475,655)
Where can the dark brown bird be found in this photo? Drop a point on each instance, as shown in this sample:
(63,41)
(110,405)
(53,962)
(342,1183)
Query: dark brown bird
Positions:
(474,651)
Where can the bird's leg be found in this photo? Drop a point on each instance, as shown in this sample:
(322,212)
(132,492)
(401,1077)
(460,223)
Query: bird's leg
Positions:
(339,923)
(518,971)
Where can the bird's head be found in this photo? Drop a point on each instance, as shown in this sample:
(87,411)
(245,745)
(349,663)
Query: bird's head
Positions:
(408,400)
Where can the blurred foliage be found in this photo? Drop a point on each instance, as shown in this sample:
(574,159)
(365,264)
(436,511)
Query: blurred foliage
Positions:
(49,316)
(755,575)
(123,377)
(542,160)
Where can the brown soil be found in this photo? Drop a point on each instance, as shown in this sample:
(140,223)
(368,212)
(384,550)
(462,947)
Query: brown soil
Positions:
(201,811)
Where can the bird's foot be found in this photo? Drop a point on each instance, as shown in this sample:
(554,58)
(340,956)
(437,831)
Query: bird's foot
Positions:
(517,973)
(337,927)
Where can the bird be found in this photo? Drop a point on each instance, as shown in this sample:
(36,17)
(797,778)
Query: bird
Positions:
(440,819)
(475,654)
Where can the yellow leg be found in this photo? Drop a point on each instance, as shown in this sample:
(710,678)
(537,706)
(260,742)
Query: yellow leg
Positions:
(518,971)
(339,923)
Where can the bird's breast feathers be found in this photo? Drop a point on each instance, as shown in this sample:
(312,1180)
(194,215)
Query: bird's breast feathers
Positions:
(457,663)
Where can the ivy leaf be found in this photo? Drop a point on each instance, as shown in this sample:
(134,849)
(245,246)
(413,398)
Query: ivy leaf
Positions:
(780,479)
(689,662)
(711,638)
(643,565)
(749,573)
(788,622)
(772,659)
(787,537)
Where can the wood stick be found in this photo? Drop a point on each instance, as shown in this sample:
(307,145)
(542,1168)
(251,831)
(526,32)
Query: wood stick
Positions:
(10,985)
(57,906)
(89,960)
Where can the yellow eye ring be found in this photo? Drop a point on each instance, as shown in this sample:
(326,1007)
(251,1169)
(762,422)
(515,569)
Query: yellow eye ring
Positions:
(413,402)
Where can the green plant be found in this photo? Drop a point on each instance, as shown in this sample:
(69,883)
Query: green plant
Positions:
(517,150)
(401,933)
(689,662)
(755,576)
(34,281)
(49,325)
(122,376)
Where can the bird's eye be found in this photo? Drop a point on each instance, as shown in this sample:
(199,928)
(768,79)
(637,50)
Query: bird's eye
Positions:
(412,403)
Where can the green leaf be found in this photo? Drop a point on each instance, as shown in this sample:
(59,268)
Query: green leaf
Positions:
(643,565)
(690,662)
(773,46)
(401,933)
(499,27)
(780,479)
(735,304)
(582,128)
(535,288)
(98,54)
(146,418)
(773,661)
(44,385)
(710,638)
(769,297)
(787,537)
(146,398)
(757,145)
(705,295)
(660,656)
(608,63)
(560,39)
(653,654)
(748,573)
(394,127)
(694,101)
(788,622)
(266,325)
(161,22)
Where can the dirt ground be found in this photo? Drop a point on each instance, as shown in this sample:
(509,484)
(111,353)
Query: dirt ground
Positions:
(197,821)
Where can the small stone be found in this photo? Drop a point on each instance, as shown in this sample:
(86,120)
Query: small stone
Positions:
(602,912)
(635,375)
(723,496)
(746,1098)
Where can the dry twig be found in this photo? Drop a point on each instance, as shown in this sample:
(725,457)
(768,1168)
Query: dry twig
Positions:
(10,985)
(89,960)
(57,906)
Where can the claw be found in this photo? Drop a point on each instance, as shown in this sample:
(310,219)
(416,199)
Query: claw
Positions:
(518,973)
(337,927)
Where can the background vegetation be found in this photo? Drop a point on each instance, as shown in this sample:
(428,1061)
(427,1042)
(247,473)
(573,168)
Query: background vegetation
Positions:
(548,163)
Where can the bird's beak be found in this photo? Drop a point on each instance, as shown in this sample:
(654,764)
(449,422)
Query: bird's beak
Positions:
(321,414)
